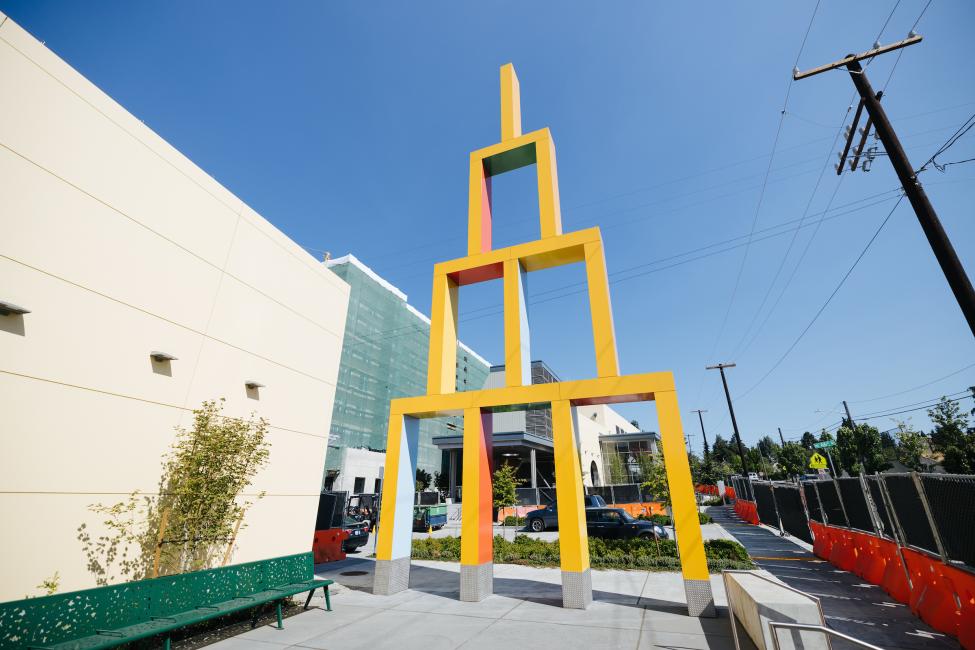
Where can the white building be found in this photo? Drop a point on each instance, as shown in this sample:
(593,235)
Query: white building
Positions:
(524,439)
(119,246)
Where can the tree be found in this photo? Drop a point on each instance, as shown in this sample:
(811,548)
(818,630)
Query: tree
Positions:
(617,470)
(793,459)
(505,486)
(952,437)
(423,479)
(655,483)
(860,449)
(721,449)
(193,522)
(768,448)
(808,440)
(441,481)
(910,447)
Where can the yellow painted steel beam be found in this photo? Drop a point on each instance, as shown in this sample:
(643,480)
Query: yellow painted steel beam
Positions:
(387,513)
(534,255)
(478,209)
(549,205)
(442,360)
(601,310)
(690,541)
(476,527)
(517,340)
(573,537)
(510,103)
(605,390)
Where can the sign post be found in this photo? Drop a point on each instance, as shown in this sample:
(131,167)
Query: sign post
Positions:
(826,444)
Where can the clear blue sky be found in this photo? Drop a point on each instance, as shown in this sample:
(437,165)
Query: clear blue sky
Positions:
(349,125)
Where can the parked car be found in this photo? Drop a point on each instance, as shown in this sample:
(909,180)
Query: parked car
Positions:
(616,523)
(547,518)
(358,534)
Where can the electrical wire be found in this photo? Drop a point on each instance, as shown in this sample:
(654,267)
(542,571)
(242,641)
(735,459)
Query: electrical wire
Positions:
(911,390)
(950,142)
(825,304)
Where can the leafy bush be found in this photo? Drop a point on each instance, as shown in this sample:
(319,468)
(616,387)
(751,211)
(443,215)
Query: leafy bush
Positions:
(512,520)
(664,520)
(643,554)
(713,501)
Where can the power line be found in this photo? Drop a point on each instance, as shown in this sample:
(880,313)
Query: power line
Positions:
(950,142)
(910,390)
(825,304)
(920,408)
(928,401)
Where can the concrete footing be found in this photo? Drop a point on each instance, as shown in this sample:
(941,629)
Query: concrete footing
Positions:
(392,576)
(700,599)
(476,581)
(577,589)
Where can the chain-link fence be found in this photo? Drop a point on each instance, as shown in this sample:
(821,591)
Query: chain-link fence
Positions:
(934,513)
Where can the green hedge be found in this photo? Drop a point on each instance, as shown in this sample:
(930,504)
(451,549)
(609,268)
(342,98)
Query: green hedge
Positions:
(511,520)
(603,553)
(664,520)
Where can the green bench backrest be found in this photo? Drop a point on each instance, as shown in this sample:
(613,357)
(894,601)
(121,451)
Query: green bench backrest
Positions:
(51,619)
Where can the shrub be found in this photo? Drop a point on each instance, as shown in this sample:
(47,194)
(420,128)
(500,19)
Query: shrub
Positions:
(644,554)
(664,520)
(512,520)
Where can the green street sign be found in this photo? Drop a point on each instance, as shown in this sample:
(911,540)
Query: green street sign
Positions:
(825,444)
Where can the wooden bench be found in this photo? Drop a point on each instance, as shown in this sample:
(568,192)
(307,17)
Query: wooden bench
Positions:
(105,617)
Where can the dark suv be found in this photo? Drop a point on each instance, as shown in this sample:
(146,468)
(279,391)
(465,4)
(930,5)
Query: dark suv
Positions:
(616,523)
(358,534)
(548,517)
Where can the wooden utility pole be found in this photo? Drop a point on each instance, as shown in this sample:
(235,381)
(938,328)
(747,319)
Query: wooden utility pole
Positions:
(943,250)
(703,434)
(731,409)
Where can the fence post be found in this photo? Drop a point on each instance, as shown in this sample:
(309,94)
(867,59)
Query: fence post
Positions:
(805,508)
(919,485)
(900,539)
(871,506)
(819,498)
(839,495)
(775,504)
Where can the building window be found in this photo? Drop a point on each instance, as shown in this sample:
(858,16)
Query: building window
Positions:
(360,485)
(378,486)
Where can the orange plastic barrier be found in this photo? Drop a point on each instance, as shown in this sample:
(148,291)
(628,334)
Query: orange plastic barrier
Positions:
(327,545)
(822,540)
(933,592)
(894,581)
(843,553)
(747,510)
(730,492)
(965,588)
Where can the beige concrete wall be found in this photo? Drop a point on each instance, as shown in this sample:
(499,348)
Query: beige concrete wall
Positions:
(592,422)
(119,245)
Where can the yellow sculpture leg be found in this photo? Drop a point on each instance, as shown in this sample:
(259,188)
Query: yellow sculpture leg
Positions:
(476,526)
(573,538)
(510,103)
(393,545)
(690,541)
(442,360)
(549,207)
(601,309)
(517,339)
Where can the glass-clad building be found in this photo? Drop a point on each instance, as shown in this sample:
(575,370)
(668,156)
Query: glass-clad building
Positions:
(384,356)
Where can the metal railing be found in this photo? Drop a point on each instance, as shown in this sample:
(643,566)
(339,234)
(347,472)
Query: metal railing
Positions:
(775,626)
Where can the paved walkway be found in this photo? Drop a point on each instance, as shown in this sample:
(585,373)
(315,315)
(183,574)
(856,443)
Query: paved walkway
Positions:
(632,609)
(851,605)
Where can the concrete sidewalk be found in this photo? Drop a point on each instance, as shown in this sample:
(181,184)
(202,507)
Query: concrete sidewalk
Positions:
(631,609)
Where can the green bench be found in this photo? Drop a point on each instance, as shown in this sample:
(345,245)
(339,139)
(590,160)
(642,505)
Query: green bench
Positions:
(105,617)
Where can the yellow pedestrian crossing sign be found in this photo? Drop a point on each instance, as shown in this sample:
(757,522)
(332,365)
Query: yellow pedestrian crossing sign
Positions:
(818,461)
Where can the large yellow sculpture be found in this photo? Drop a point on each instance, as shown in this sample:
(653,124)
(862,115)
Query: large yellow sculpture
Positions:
(511,265)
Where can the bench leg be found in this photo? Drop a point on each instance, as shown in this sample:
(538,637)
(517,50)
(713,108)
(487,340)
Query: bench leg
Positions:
(328,601)
(280,619)
(167,644)
(257,612)
(308,600)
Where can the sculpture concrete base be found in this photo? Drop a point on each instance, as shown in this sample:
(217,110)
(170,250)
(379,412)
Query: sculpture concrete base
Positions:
(391,577)
(700,599)
(577,589)
(476,581)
